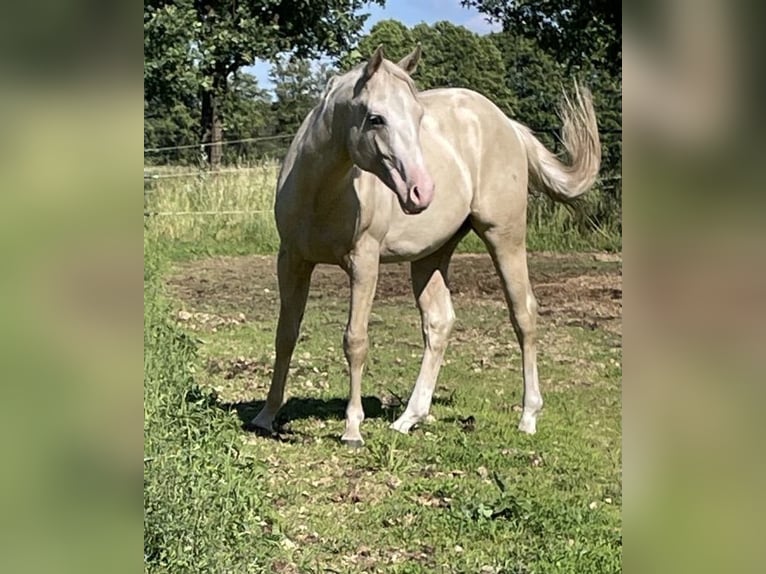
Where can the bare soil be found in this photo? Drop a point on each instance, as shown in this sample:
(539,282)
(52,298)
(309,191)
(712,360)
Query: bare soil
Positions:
(582,289)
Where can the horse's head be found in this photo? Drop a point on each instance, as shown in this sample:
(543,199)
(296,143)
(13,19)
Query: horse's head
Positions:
(385,129)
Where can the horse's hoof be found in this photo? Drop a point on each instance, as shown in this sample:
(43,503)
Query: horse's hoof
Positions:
(352,442)
(399,428)
(260,431)
(528,426)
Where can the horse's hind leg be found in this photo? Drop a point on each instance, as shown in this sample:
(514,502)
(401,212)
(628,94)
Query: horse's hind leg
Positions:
(429,282)
(294,280)
(510,257)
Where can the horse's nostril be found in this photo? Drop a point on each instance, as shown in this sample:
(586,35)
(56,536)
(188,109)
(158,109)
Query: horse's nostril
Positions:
(415,194)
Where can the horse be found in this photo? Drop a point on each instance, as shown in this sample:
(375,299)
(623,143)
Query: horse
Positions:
(380,172)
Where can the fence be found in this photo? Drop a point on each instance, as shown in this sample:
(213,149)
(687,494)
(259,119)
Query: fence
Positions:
(551,136)
(610,180)
(235,151)
(233,206)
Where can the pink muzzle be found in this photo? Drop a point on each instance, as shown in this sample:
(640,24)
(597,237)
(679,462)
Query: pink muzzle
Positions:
(420,191)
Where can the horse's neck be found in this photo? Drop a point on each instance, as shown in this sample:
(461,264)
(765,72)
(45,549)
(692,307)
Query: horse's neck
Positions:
(327,162)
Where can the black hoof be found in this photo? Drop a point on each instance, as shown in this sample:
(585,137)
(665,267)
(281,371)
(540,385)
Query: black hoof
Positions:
(260,431)
(352,443)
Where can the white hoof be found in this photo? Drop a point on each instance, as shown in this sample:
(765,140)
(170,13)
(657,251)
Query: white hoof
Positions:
(528,424)
(405,422)
(352,441)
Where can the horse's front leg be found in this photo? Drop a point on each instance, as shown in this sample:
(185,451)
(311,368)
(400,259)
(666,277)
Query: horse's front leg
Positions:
(362,268)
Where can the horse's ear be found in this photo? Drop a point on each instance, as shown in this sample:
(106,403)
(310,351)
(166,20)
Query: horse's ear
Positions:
(410,63)
(374,62)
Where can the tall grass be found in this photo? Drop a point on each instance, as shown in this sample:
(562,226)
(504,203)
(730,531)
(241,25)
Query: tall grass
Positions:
(205,508)
(193,215)
(229,212)
(594,224)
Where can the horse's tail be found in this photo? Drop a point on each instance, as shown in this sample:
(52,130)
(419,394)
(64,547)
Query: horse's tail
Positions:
(566,181)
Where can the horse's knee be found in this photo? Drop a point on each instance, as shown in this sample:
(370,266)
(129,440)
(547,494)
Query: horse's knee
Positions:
(355,345)
(438,326)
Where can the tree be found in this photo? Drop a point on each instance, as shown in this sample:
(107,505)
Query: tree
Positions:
(534,78)
(246,109)
(298,83)
(218,37)
(396,38)
(169,71)
(171,81)
(453,56)
(578,33)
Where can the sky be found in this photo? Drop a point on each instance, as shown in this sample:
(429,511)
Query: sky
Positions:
(409,12)
(412,12)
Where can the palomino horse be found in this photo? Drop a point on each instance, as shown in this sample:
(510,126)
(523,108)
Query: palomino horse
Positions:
(379,172)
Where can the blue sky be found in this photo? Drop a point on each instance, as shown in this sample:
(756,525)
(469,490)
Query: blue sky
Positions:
(409,12)
(413,12)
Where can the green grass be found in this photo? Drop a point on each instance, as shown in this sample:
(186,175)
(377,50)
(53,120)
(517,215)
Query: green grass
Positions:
(450,497)
(204,499)
(184,210)
(195,232)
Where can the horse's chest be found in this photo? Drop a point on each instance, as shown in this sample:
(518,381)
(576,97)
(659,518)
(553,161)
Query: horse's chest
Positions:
(325,225)
(323,234)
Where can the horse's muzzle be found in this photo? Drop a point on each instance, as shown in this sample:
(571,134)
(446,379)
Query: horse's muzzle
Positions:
(419,194)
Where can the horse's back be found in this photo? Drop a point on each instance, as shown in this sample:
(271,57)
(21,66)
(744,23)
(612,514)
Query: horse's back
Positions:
(469,118)
(489,147)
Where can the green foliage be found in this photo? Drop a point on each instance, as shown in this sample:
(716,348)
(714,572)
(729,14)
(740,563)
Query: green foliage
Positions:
(579,33)
(192,49)
(534,78)
(171,80)
(204,502)
(170,33)
(172,124)
(453,56)
(224,35)
(396,38)
(246,111)
(298,83)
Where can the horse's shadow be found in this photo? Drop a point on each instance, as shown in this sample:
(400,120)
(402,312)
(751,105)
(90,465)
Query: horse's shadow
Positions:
(302,408)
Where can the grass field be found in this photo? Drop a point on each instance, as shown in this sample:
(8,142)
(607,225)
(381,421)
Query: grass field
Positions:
(201,215)
(464,493)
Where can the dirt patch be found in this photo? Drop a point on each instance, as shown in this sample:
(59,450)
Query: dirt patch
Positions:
(583,289)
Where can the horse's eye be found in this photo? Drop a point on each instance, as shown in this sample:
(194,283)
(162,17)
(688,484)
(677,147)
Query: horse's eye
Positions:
(376,120)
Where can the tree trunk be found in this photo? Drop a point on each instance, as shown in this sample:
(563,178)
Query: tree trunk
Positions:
(212,126)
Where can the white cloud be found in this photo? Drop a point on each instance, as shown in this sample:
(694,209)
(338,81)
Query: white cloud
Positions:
(477,23)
